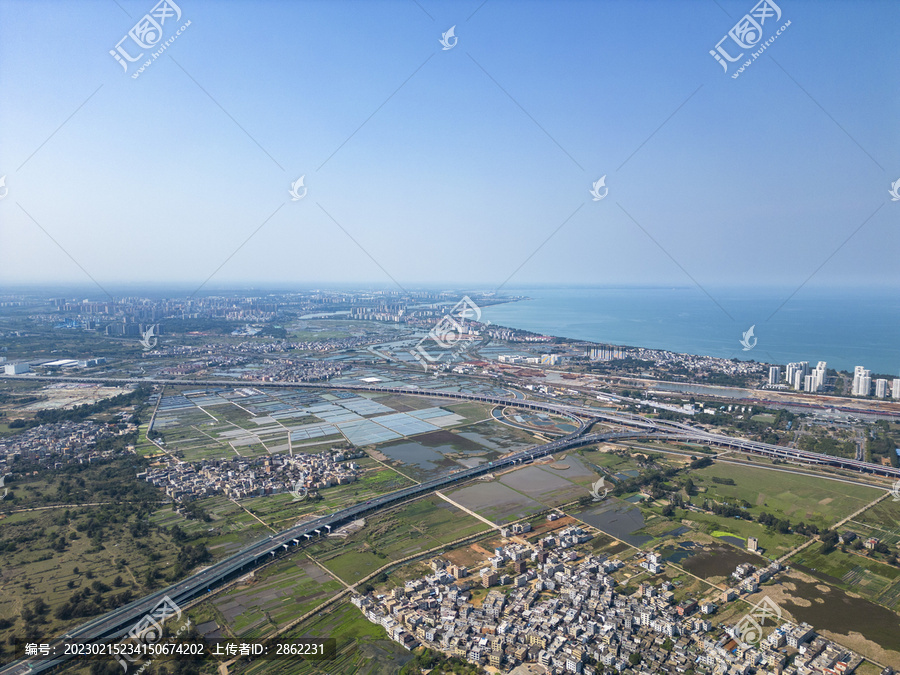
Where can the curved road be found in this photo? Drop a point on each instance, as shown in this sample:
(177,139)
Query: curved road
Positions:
(118,622)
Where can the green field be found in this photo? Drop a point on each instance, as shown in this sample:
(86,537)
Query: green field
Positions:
(273,598)
(409,529)
(363,648)
(610,461)
(473,412)
(882,521)
(798,498)
(773,543)
(854,572)
(280,511)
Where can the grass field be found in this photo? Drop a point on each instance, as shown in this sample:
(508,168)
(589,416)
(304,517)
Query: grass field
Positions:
(773,543)
(609,461)
(407,530)
(473,412)
(799,498)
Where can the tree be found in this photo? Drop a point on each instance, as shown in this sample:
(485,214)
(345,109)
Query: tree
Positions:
(829,541)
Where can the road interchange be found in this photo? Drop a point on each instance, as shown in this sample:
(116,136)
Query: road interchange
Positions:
(118,622)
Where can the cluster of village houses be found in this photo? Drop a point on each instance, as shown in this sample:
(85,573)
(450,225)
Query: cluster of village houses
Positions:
(241,477)
(552,605)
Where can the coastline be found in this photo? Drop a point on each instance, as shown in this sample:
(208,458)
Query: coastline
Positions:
(843,328)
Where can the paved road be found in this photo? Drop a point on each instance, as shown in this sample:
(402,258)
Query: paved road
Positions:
(118,622)
(619,418)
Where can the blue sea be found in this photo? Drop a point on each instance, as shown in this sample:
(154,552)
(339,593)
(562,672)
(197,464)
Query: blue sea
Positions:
(846,327)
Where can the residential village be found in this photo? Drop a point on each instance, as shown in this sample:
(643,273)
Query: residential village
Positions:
(553,605)
(241,478)
(55,444)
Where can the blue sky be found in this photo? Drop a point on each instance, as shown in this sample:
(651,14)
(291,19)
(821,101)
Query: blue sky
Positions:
(449,166)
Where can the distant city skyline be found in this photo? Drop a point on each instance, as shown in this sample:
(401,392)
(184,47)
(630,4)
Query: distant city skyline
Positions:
(463,166)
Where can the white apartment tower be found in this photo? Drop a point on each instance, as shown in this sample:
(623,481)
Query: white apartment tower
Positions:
(862,381)
(796,374)
(821,370)
(810,383)
(789,372)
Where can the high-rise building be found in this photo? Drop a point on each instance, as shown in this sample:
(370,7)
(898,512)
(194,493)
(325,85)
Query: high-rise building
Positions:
(606,354)
(895,388)
(881,387)
(862,381)
(820,372)
(792,372)
(810,383)
(774,375)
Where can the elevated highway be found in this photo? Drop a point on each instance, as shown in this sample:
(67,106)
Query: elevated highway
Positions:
(118,622)
(628,420)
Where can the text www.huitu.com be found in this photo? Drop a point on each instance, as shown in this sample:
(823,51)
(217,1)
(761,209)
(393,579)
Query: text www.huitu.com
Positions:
(759,51)
(162,48)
